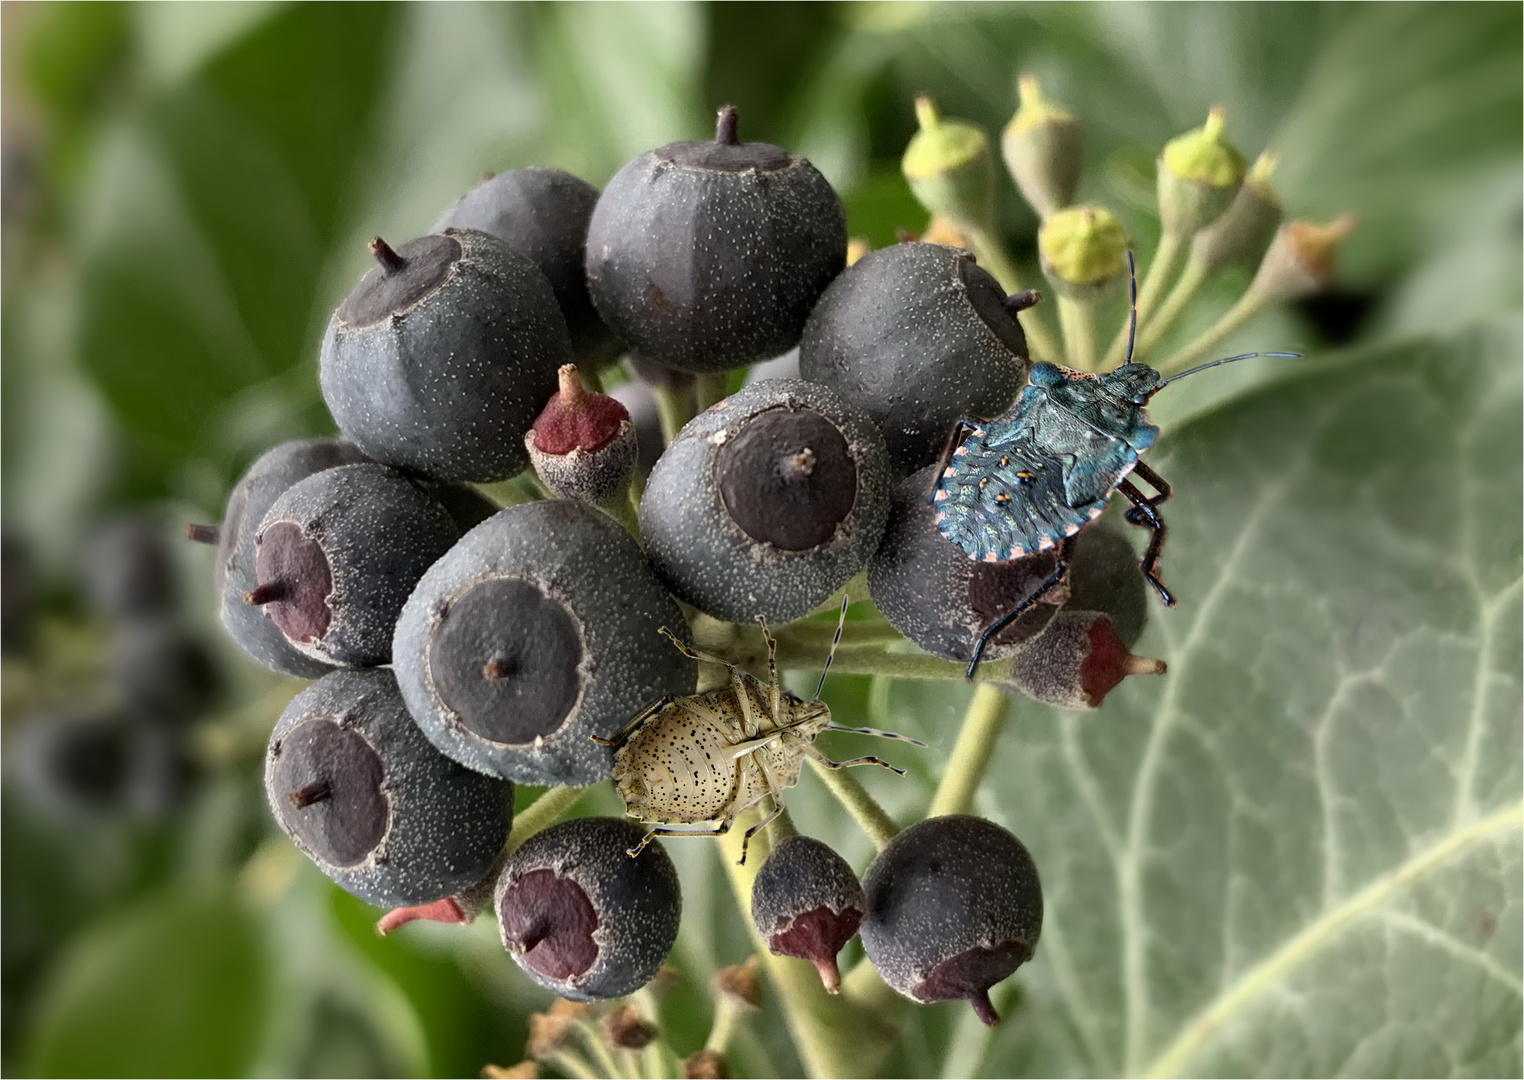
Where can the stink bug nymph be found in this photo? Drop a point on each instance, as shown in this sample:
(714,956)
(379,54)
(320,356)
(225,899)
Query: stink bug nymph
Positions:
(1032,477)
(709,757)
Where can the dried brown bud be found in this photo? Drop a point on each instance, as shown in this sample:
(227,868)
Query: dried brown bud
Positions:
(625,1030)
(705,1065)
(524,1070)
(740,983)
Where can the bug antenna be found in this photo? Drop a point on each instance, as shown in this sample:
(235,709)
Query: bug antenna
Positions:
(835,641)
(1219,363)
(1132,304)
(878,732)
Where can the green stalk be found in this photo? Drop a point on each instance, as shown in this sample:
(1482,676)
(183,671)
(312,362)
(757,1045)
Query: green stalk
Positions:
(542,813)
(832,1035)
(1154,283)
(1077,319)
(864,808)
(710,389)
(675,407)
(623,509)
(1248,305)
(991,255)
(1186,288)
(982,724)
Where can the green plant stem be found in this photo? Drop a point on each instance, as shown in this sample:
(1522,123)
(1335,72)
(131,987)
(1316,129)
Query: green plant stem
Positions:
(1190,282)
(726,1014)
(875,821)
(710,389)
(572,1064)
(542,813)
(623,509)
(674,407)
(599,1050)
(1247,306)
(834,1036)
(1077,318)
(1154,283)
(982,724)
(991,254)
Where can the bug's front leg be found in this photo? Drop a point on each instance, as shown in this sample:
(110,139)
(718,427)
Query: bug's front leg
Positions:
(720,829)
(1150,518)
(828,763)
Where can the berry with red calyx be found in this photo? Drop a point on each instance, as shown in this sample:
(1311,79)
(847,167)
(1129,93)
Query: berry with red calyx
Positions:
(544,214)
(954,907)
(708,255)
(807,903)
(583,444)
(440,358)
(942,600)
(581,917)
(233,573)
(1076,661)
(339,553)
(367,798)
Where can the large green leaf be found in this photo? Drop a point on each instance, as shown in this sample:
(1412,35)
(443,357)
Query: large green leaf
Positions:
(1298,853)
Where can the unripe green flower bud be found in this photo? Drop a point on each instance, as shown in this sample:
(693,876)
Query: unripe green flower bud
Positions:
(1246,226)
(1199,173)
(1043,149)
(1300,260)
(1083,251)
(950,169)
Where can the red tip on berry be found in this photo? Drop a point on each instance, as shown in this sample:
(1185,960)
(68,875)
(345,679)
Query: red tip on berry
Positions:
(440,911)
(577,419)
(1109,662)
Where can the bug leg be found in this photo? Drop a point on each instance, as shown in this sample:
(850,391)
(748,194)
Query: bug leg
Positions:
(1149,518)
(720,830)
(1135,516)
(619,737)
(954,440)
(828,763)
(694,654)
(774,687)
(1059,570)
(758,827)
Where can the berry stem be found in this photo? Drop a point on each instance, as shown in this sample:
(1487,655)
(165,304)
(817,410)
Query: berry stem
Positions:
(710,389)
(268,593)
(982,724)
(1077,318)
(315,792)
(874,820)
(203,534)
(1190,281)
(541,813)
(391,262)
(1154,283)
(1247,306)
(675,407)
(499,667)
(725,127)
(991,254)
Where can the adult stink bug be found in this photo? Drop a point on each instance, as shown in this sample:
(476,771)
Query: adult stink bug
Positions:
(708,757)
(1031,478)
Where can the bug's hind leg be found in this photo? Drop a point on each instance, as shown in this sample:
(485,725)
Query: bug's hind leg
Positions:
(774,687)
(1150,518)
(758,827)
(719,830)
(1065,552)
(694,654)
(1134,516)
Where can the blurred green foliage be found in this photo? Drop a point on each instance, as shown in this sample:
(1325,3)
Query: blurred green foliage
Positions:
(187,192)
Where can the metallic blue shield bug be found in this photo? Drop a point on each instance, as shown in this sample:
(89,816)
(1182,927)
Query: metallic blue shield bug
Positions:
(1033,477)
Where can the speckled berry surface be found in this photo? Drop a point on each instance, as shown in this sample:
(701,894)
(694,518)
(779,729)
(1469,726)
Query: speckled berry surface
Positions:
(372,533)
(617,917)
(937,596)
(544,214)
(954,906)
(537,631)
(400,823)
(917,336)
(807,903)
(706,256)
(767,503)
(233,574)
(444,378)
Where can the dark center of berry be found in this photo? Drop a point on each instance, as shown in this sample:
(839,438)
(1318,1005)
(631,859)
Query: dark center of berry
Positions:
(396,286)
(988,301)
(550,921)
(294,581)
(505,659)
(788,478)
(332,780)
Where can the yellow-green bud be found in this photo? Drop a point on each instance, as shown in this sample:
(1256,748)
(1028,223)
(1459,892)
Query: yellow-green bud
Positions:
(857,247)
(1199,173)
(1300,260)
(1083,251)
(1043,150)
(940,230)
(950,169)
(1246,226)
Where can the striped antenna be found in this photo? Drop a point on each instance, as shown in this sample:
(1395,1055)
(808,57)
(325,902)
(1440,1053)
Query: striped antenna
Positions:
(876,731)
(835,641)
(1219,363)
(1132,303)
